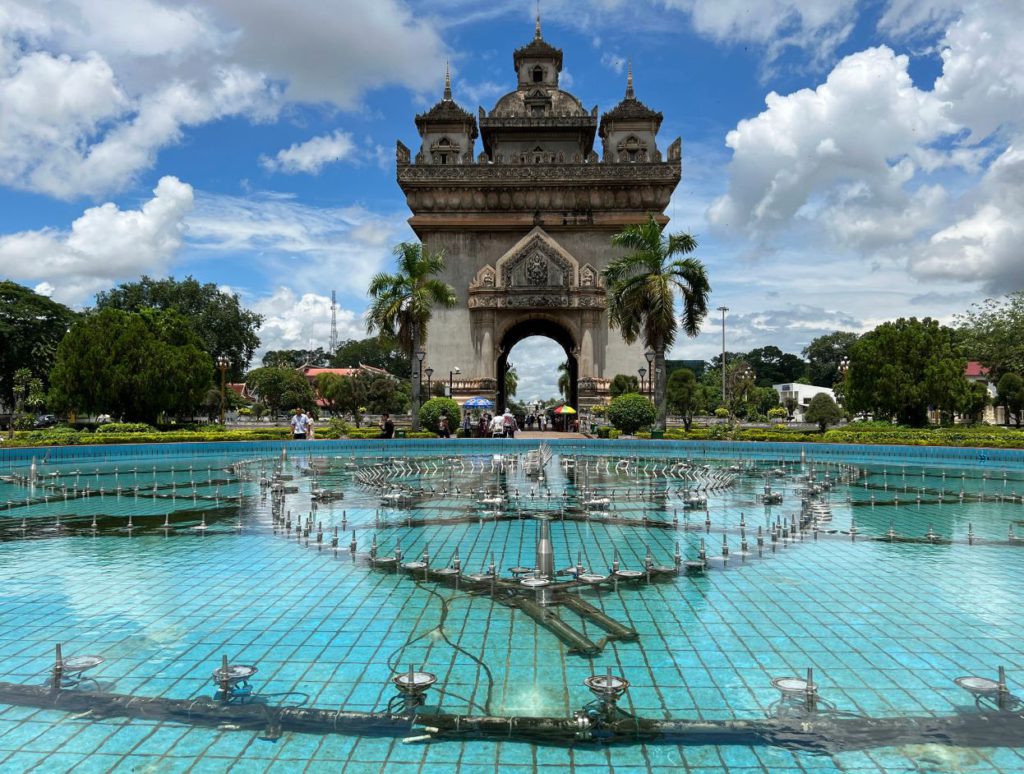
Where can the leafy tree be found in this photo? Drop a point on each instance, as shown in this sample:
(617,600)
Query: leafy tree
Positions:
(773,366)
(902,368)
(401,304)
(975,402)
(223,325)
(295,358)
(642,288)
(630,412)
(825,353)
(31,327)
(564,380)
(29,398)
(1011,397)
(133,365)
(384,394)
(511,382)
(280,389)
(372,351)
(431,411)
(685,396)
(993,333)
(623,383)
(823,411)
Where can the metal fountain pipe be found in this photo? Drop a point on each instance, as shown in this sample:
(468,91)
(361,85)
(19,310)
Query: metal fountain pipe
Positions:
(545,557)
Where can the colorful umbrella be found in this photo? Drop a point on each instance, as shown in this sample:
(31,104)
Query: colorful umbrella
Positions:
(565,410)
(479,402)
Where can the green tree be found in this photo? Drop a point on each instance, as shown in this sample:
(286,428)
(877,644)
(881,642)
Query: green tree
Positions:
(220,321)
(975,403)
(901,369)
(511,382)
(823,411)
(642,288)
(993,333)
(372,351)
(29,397)
(564,380)
(137,366)
(825,353)
(280,389)
(773,366)
(623,383)
(31,327)
(296,358)
(431,411)
(631,412)
(685,396)
(1011,397)
(401,304)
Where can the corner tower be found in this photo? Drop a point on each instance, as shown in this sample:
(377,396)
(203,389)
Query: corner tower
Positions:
(526,225)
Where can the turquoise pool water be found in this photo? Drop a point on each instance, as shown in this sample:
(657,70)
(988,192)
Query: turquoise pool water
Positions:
(886,625)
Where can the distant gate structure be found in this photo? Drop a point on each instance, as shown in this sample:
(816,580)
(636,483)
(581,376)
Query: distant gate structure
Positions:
(526,225)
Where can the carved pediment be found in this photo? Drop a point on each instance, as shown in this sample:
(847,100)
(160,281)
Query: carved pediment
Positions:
(485,279)
(537,261)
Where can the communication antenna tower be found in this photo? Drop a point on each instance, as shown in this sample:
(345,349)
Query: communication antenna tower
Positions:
(334,323)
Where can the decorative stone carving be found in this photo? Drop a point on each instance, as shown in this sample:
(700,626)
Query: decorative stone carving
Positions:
(537,260)
(537,270)
(484,278)
(401,153)
(588,276)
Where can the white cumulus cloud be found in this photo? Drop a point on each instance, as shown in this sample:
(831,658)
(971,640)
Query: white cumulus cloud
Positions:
(103,245)
(311,156)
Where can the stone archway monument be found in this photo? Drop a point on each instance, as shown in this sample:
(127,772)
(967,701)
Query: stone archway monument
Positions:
(526,225)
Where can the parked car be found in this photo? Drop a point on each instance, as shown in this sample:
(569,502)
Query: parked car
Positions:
(45,420)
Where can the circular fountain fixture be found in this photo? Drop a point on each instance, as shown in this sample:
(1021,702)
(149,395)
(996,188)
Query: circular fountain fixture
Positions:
(232,680)
(592,577)
(988,691)
(413,685)
(607,688)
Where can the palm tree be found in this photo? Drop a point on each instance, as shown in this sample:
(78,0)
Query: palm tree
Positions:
(642,289)
(563,379)
(401,304)
(511,382)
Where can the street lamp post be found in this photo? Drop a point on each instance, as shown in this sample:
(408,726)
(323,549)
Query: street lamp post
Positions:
(649,355)
(643,372)
(222,363)
(420,354)
(451,381)
(429,372)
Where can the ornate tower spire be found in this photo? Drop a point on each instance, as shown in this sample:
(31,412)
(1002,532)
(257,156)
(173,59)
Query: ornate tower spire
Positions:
(536,33)
(447,84)
(629,81)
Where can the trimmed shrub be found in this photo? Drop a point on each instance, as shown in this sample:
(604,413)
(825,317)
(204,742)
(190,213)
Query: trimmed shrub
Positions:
(121,428)
(630,412)
(431,411)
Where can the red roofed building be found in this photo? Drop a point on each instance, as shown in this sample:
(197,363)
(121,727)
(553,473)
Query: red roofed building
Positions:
(976,372)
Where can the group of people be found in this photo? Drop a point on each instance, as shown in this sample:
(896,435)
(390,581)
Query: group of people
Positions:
(539,419)
(302,426)
(497,426)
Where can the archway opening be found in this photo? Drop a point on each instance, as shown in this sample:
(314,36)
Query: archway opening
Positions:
(547,329)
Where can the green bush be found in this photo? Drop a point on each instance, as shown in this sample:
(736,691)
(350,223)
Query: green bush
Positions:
(630,412)
(721,412)
(777,412)
(125,427)
(431,411)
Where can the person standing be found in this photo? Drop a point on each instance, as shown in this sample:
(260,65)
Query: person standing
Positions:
(387,427)
(310,432)
(442,427)
(299,425)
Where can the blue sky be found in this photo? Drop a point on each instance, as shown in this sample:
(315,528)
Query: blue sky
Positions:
(844,162)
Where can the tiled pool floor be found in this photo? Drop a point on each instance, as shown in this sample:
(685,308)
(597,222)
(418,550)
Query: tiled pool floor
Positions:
(886,627)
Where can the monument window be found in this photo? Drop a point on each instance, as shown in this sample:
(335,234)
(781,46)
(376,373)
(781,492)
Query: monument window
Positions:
(538,74)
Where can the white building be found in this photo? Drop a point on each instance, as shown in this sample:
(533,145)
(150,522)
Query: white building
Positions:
(801,395)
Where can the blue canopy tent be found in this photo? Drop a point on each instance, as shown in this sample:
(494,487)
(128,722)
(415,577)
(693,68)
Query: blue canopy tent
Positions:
(478,402)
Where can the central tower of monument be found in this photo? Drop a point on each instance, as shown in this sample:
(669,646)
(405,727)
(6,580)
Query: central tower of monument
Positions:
(526,225)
